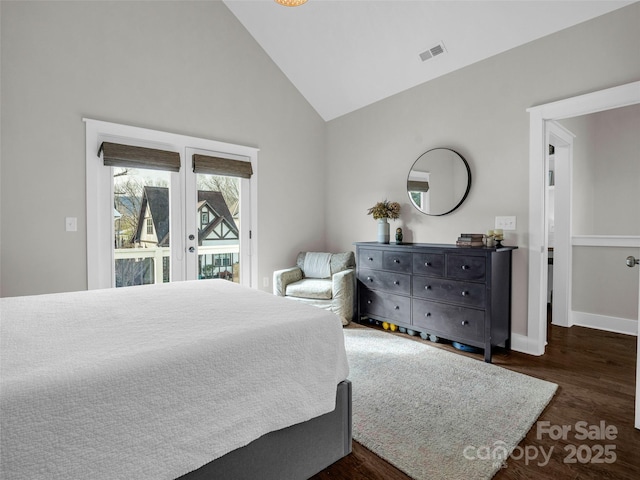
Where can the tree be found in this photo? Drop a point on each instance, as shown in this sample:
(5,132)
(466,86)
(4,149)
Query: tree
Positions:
(127,199)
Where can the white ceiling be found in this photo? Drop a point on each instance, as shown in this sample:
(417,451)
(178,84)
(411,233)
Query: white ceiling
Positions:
(345,54)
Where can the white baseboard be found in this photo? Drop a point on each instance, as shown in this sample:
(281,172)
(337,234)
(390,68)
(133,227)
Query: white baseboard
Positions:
(604,322)
(524,344)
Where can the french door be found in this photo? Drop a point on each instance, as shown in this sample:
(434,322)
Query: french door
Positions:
(150,225)
(218,222)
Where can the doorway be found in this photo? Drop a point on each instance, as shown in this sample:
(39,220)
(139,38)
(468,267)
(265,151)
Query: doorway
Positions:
(613,98)
(540,117)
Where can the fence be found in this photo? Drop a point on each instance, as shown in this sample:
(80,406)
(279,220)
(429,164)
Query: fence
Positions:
(142,266)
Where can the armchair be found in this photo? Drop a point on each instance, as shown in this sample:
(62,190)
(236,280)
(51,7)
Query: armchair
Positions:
(324,280)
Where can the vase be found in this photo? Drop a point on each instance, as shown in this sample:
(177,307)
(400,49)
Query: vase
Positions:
(383,230)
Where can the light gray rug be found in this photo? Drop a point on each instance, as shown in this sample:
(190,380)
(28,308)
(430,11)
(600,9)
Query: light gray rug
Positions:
(435,414)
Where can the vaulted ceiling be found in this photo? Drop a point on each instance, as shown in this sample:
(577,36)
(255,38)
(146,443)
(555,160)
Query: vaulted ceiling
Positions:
(345,54)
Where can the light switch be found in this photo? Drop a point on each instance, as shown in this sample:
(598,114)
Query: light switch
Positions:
(506,223)
(71,224)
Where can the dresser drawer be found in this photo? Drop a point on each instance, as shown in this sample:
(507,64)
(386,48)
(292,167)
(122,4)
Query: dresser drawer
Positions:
(428,264)
(388,281)
(449,321)
(466,267)
(386,305)
(463,293)
(370,258)
(397,261)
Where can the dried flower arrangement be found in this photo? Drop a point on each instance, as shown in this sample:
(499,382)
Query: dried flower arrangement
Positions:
(385,209)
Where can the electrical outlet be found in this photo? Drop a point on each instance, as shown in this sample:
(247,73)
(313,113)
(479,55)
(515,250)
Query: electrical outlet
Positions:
(265,282)
(506,223)
(71,224)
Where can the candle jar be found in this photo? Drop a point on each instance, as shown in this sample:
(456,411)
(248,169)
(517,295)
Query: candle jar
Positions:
(489,241)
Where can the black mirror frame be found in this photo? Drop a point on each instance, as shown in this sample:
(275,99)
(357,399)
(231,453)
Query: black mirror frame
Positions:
(466,193)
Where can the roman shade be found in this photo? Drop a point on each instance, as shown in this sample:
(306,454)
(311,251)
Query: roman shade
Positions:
(221,166)
(417,186)
(117,155)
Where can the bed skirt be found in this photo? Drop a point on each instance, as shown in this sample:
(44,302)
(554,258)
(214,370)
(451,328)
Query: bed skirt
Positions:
(293,453)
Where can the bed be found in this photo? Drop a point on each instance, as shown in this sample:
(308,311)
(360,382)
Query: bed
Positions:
(190,380)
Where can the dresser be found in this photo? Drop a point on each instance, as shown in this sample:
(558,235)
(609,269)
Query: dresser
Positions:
(462,294)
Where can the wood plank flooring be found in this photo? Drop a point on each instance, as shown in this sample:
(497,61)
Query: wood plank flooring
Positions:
(595,372)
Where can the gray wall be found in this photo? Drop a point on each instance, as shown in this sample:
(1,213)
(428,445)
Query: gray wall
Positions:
(479,111)
(183,67)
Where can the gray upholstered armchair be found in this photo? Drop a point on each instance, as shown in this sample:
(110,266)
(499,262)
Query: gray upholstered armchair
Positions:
(325,280)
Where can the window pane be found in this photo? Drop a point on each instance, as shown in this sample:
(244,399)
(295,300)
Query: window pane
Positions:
(141,226)
(218,208)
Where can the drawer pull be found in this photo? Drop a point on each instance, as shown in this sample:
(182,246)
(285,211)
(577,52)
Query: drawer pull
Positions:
(427,287)
(370,279)
(396,282)
(465,267)
(465,293)
(369,302)
(395,260)
(370,259)
(427,264)
(465,322)
(397,307)
(428,314)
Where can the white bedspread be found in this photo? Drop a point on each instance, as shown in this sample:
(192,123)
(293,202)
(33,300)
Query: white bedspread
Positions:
(151,382)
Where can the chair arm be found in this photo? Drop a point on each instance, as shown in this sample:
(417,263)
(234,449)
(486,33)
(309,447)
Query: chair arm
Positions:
(282,278)
(343,287)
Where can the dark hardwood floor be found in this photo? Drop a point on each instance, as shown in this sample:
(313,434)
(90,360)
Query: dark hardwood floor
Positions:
(595,372)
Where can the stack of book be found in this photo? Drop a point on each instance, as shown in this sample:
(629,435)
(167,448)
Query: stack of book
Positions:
(470,240)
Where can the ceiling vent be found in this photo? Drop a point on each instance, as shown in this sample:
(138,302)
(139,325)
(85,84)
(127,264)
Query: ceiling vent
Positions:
(434,51)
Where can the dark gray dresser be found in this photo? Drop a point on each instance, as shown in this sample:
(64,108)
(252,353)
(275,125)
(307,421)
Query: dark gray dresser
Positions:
(462,294)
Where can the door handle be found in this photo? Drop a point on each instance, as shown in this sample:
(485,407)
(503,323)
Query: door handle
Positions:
(632,261)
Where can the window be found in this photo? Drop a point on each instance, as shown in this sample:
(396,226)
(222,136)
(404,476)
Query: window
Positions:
(174,243)
(205,219)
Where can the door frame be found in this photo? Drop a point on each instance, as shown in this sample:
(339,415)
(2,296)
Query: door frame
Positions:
(100,186)
(562,140)
(615,97)
(637,422)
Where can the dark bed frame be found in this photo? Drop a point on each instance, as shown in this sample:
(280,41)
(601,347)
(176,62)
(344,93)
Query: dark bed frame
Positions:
(295,453)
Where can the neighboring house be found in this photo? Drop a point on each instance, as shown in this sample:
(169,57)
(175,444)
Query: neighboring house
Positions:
(216,225)
(153,219)
(218,234)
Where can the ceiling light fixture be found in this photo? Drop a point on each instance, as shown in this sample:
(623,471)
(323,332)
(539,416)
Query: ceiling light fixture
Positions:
(291,3)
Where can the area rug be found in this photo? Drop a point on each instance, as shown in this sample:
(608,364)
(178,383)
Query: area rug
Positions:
(435,414)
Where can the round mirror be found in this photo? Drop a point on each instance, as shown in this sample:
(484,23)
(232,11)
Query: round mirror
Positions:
(439,181)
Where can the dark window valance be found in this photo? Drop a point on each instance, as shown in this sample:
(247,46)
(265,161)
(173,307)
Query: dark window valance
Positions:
(221,166)
(417,186)
(117,155)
